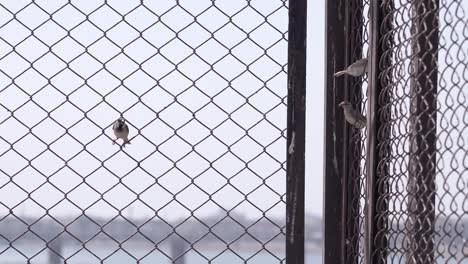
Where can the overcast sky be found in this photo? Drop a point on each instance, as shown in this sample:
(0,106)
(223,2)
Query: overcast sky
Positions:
(144,85)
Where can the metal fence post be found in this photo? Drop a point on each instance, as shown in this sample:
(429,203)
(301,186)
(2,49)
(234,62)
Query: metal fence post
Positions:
(335,136)
(423,137)
(296,131)
(344,45)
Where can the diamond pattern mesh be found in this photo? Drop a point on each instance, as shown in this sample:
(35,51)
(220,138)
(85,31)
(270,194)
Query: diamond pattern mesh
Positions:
(202,85)
(411,208)
(424,138)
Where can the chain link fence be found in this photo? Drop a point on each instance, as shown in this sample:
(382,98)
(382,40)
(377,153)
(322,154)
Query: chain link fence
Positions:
(396,191)
(422,178)
(202,85)
(358,45)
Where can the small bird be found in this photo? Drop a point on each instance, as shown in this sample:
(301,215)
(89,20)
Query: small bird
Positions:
(352,116)
(356,69)
(121,131)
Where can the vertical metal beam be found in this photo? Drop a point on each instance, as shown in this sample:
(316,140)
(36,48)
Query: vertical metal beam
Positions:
(335,136)
(295,176)
(423,137)
(344,40)
(379,114)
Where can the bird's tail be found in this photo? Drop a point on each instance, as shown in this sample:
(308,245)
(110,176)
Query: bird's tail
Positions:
(340,73)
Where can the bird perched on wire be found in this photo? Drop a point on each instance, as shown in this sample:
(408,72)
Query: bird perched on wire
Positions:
(121,131)
(356,69)
(352,116)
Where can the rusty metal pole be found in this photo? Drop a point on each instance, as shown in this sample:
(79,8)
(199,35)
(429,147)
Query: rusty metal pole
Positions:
(295,175)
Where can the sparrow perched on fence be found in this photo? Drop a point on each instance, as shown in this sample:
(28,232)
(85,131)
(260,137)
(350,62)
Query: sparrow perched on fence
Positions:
(356,69)
(121,131)
(352,116)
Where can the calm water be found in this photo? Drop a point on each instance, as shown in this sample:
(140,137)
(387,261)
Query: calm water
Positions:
(121,257)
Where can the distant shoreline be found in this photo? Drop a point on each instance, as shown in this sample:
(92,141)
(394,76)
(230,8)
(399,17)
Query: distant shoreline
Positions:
(275,247)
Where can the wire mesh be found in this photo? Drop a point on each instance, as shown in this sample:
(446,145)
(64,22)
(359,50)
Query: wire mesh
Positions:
(202,85)
(412,207)
(423,133)
(357,47)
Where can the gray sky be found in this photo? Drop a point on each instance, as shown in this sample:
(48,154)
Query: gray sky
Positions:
(103,95)
(315,106)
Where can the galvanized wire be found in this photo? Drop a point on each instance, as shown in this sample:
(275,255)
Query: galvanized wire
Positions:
(423,136)
(203,88)
(416,211)
(421,170)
